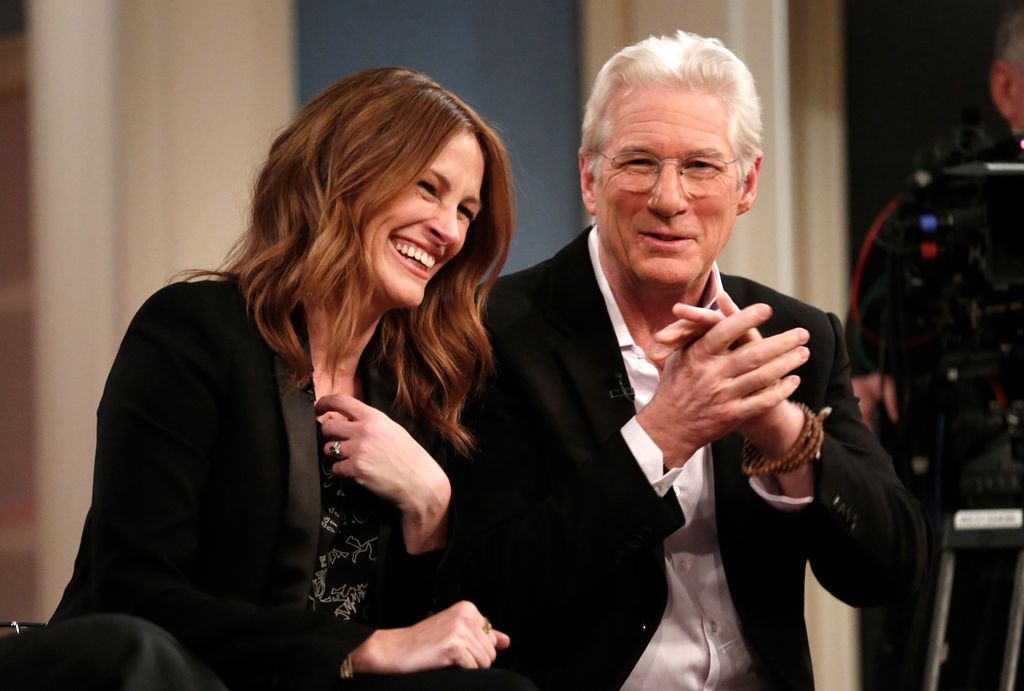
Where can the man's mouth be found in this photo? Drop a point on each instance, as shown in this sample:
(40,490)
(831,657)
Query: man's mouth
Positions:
(415,254)
(662,237)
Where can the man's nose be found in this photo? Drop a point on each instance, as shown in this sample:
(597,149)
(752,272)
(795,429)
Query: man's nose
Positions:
(668,193)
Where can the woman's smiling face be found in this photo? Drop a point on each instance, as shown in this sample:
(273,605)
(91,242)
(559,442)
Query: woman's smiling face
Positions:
(424,226)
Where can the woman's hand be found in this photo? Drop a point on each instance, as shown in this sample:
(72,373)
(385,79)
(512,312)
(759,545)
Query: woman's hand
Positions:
(457,637)
(379,454)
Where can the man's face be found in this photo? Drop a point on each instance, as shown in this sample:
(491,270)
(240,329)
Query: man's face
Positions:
(662,242)
(1007,86)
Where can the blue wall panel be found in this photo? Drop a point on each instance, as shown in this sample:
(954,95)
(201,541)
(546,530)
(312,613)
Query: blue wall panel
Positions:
(516,63)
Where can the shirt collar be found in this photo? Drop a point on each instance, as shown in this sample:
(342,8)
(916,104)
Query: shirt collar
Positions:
(709,299)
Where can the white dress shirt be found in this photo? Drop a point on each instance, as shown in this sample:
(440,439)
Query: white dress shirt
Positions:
(698,644)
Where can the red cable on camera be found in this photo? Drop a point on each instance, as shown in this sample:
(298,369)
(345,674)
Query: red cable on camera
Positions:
(862,259)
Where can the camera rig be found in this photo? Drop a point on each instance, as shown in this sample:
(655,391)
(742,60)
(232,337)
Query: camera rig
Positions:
(937,303)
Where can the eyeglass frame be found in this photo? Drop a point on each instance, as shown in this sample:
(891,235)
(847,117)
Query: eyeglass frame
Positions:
(680,170)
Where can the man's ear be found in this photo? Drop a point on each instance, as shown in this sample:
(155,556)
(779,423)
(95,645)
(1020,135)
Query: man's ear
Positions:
(587,184)
(1005,84)
(749,191)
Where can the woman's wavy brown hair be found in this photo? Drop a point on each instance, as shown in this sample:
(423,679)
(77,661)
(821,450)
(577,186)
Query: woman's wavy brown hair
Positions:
(350,151)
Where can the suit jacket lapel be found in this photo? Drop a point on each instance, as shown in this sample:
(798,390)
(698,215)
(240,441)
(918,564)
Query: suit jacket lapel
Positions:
(587,347)
(577,309)
(297,542)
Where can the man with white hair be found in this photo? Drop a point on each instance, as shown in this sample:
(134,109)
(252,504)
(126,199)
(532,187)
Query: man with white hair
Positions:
(664,448)
(1006,76)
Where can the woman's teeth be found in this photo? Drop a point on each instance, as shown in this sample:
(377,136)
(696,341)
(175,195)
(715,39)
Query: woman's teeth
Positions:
(415,253)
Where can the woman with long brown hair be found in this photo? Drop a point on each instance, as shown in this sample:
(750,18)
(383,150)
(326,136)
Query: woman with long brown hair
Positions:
(269,483)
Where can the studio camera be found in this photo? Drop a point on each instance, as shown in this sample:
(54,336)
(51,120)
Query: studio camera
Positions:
(938,303)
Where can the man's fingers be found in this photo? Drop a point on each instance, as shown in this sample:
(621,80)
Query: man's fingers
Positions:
(770,371)
(697,315)
(659,353)
(770,396)
(776,355)
(726,303)
(679,334)
(733,328)
(752,355)
(728,307)
(775,394)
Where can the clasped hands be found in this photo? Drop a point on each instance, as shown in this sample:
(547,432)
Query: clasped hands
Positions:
(718,375)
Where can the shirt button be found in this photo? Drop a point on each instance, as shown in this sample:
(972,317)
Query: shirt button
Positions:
(684,566)
(714,627)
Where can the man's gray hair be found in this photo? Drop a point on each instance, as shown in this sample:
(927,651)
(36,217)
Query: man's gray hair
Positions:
(1009,43)
(687,62)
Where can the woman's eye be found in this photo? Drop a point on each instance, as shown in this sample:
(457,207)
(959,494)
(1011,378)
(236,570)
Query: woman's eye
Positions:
(427,187)
(467,214)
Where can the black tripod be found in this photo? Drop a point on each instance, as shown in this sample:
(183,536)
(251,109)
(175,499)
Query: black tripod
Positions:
(980,529)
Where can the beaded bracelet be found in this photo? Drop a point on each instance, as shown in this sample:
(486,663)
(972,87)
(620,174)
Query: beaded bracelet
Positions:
(806,447)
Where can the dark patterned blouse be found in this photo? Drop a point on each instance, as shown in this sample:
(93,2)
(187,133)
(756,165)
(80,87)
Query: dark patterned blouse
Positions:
(346,555)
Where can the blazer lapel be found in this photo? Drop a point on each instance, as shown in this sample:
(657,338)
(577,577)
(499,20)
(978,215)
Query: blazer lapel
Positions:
(586,346)
(297,543)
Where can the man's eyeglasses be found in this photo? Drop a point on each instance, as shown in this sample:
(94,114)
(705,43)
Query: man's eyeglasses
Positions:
(637,172)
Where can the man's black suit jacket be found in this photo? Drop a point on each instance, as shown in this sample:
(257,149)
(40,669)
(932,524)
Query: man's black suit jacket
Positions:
(206,500)
(560,533)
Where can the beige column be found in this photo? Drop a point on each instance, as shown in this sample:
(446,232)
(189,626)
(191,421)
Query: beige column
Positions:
(148,118)
(820,260)
(819,153)
(74,167)
(794,238)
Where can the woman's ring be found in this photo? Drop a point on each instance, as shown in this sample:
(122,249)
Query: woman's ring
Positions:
(335,450)
(487,625)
